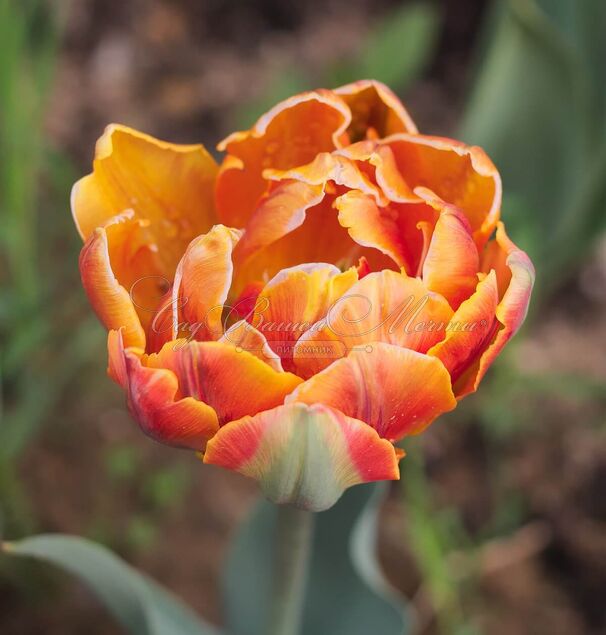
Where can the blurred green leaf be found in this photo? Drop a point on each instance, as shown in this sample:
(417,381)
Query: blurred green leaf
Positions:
(39,394)
(142,532)
(166,487)
(121,462)
(340,598)
(136,601)
(537,107)
(400,45)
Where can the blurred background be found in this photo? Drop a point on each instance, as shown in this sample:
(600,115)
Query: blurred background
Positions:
(498,525)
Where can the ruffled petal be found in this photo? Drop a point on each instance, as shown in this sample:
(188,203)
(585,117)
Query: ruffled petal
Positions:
(375,110)
(304,455)
(310,233)
(202,282)
(461,175)
(330,167)
(229,379)
(382,307)
(510,312)
(394,230)
(452,262)
(290,134)
(294,300)
(295,221)
(472,327)
(372,226)
(110,300)
(155,403)
(169,186)
(395,390)
(279,213)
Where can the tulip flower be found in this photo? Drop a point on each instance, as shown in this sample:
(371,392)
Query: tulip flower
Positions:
(335,285)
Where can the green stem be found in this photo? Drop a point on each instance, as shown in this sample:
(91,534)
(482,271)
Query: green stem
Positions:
(294,530)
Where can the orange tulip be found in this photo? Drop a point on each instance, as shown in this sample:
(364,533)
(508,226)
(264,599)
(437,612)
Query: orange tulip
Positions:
(328,290)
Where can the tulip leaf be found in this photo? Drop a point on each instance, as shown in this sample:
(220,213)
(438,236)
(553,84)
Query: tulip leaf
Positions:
(136,601)
(345,592)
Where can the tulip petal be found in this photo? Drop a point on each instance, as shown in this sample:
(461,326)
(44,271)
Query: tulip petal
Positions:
(279,213)
(394,229)
(246,337)
(382,307)
(304,455)
(510,312)
(452,261)
(495,257)
(232,381)
(375,109)
(155,403)
(378,162)
(371,226)
(290,134)
(202,282)
(327,167)
(471,328)
(461,175)
(116,366)
(294,300)
(295,221)
(395,390)
(309,229)
(109,299)
(168,185)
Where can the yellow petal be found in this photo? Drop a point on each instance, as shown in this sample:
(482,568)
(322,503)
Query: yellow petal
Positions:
(169,186)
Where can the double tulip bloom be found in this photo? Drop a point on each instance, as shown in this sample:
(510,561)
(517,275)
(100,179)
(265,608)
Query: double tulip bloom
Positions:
(331,288)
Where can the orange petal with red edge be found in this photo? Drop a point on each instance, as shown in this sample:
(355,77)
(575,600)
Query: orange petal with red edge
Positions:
(116,366)
(290,134)
(232,381)
(155,401)
(471,328)
(510,312)
(297,211)
(395,390)
(382,307)
(304,455)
